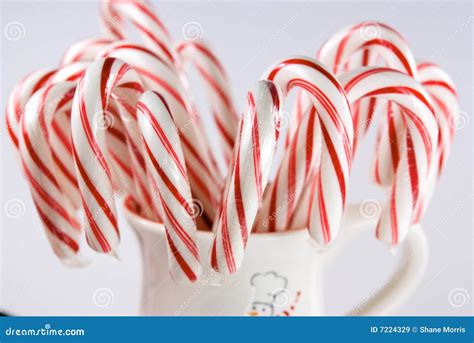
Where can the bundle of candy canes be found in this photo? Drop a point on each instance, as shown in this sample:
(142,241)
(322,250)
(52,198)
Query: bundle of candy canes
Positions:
(117,117)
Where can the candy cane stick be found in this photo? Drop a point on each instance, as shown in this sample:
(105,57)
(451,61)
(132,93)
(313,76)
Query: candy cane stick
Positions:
(300,218)
(53,206)
(335,119)
(94,177)
(299,165)
(114,13)
(55,163)
(217,86)
(124,140)
(151,29)
(162,142)
(442,90)
(123,104)
(85,50)
(362,45)
(387,147)
(418,142)
(363,110)
(249,175)
(368,43)
(445,103)
(159,76)
(118,149)
(443,93)
(20,96)
(22,93)
(61,147)
(342,46)
(58,132)
(121,155)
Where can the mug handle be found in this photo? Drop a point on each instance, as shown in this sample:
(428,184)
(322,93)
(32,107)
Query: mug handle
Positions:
(407,276)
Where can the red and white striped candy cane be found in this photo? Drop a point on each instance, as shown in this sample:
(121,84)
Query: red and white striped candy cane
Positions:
(94,91)
(216,82)
(367,44)
(124,99)
(442,91)
(25,89)
(445,100)
(334,116)
(300,218)
(58,132)
(387,146)
(168,170)
(54,208)
(299,164)
(122,107)
(159,76)
(364,44)
(85,50)
(114,14)
(20,96)
(372,44)
(418,142)
(70,72)
(255,148)
(378,37)
(61,147)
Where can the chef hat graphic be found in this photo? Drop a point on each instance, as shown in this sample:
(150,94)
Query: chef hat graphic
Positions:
(268,286)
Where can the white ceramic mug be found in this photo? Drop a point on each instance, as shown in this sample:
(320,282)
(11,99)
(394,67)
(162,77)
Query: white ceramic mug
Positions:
(281,275)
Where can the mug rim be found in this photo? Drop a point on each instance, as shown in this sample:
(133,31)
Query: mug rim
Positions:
(154,226)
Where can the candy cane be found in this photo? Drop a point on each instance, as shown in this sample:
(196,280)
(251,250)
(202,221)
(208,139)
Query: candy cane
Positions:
(61,148)
(249,175)
(361,45)
(300,218)
(93,93)
(364,44)
(342,46)
(335,119)
(20,96)
(298,166)
(443,93)
(58,132)
(446,106)
(122,107)
(85,50)
(155,35)
(445,103)
(53,206)
(217,85)
(387,146)
(399,53)
(162,143)
(114,13)
(159,76)
(418,142)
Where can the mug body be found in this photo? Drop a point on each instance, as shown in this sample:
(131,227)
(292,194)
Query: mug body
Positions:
(269,283)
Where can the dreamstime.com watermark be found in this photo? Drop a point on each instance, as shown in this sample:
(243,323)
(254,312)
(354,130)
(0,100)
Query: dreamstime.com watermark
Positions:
(44,331)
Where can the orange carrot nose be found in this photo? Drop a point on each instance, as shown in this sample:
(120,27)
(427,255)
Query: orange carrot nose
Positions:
(253,313)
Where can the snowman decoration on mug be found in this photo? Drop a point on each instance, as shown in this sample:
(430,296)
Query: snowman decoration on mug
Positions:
(272,296)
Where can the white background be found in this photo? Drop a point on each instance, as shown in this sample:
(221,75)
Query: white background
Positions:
(248,38)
